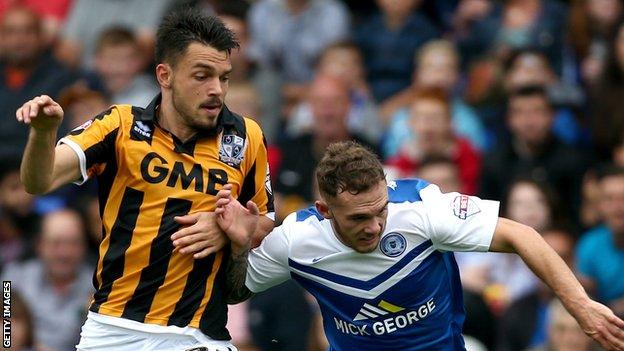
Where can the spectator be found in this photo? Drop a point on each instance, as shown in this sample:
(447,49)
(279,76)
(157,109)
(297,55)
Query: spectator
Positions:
(26,69)
(437,66)
(430,122)
(22,326)
(57,284)
(389,39)
(88,18)
(344,61)
(329,102)
(531,67)
(564,333)
(531,151)
(287,36)
(516,24)
(441,171)
(600,252)
(605,104)
(18,219)
(119,62)
(52,13)
(80,103)
(503,278)
(234,14)
(592,23)
(525,323)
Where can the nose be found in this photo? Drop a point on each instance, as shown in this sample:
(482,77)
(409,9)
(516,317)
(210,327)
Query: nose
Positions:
(373,226)
(214,87)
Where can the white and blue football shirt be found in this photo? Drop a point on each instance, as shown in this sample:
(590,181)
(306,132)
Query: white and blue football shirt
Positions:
(405,295)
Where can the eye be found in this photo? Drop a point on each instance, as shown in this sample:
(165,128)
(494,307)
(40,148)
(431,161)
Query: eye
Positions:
(200,77)
(225,78)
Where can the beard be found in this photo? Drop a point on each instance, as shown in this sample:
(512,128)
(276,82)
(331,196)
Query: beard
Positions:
(190,115)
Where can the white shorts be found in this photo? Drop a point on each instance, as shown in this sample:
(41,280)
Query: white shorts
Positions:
(100,336)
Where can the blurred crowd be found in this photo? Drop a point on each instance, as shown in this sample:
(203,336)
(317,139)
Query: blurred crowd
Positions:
(520,101)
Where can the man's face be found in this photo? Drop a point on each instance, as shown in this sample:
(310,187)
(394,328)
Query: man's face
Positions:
(21,37)
(431,122)
(62,244)
(118,65)
(612,202)
(530,119)
(437,68)
(565,334)
(330,104)
(199,84)
(359,220)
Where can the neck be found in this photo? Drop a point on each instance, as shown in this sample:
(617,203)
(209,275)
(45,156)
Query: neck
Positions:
(170,120)
(527,149)
(295,7)
(61,284)
(395,21)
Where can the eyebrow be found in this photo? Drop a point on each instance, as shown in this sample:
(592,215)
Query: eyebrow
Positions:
(210,68)
(367,214)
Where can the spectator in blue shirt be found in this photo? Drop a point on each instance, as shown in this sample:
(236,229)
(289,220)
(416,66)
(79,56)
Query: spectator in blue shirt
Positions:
(389,40)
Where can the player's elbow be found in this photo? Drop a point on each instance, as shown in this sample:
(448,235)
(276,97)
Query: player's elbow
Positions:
(35,188)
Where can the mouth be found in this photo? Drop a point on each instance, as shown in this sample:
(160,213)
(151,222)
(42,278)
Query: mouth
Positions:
(211,108)
(368,241)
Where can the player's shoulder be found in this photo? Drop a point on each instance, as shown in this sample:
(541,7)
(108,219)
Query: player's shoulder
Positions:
(302,223)
(409,190)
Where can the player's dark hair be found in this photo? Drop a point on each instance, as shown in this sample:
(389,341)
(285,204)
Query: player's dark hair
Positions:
(348,166)
(180,29)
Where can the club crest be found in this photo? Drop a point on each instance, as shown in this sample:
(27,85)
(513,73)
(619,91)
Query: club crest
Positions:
(232,150)
(393,244)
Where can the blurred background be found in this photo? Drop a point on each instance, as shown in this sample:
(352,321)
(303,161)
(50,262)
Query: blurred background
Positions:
(520,101)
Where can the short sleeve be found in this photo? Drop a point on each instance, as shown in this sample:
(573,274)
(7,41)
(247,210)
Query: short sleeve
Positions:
(268,263)
(257,183)
(459,222)
(94,142)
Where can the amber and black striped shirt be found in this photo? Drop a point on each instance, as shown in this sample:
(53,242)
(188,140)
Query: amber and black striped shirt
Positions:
(146,177)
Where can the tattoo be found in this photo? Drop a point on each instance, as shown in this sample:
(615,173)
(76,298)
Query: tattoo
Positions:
(235,281)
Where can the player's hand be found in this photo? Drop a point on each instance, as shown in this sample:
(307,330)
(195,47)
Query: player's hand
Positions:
(199,235)
(238,223)
(599,322)
(42,113)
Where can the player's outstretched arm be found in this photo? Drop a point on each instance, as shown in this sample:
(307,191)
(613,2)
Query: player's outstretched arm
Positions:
(239,224)
(44,166)
(597,320)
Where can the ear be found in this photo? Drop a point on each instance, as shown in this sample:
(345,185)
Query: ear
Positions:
(164,75)
(323,209)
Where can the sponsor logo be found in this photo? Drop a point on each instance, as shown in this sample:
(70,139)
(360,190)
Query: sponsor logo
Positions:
(464,207)
(388,318)
(142,129)
(232,150)
(393,244)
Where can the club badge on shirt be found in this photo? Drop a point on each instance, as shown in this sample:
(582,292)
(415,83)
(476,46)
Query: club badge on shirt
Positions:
(232,150)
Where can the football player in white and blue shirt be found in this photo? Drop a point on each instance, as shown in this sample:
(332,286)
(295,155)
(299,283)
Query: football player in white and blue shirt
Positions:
(378,258)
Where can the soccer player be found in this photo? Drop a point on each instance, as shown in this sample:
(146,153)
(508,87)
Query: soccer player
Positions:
(159,169)
(378,257)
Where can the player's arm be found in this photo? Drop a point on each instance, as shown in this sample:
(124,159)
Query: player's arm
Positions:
(597,320)
(256,270)
(239,223)
(45,166)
